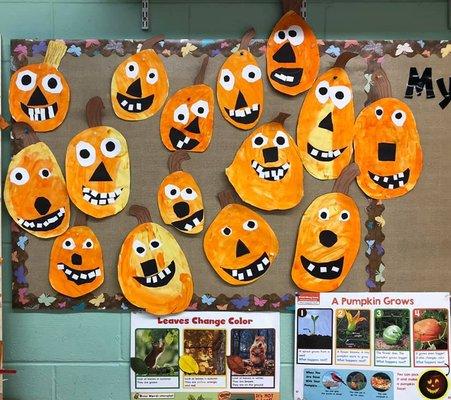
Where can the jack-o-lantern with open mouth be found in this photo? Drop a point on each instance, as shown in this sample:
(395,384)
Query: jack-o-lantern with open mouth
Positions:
(267,169)
(98,166)
(386,144)
(292,53)
(239,244)
(187,118)
(329,238)
(35,191)
(326,121)
(239,87)
(433,384)
(140,84)
(76,260)
(153,271)
(179,197)
(39,94)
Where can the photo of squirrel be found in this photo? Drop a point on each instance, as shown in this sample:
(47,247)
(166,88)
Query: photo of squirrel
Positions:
(257,352)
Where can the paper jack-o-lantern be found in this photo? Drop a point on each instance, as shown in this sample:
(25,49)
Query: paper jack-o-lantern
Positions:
(35,191)
(98,166)
(140,84)
(153,271)
(267,169)
(187,118)
(292,53)
(239,244)
(239,87)
(179,197)
(76,260)
(386,144)
(39,95)
(329,238)
(326,121)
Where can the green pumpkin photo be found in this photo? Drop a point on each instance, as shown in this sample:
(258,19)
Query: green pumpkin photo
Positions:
(392,329)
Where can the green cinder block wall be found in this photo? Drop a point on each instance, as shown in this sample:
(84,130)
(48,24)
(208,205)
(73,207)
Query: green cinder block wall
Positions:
(84,356)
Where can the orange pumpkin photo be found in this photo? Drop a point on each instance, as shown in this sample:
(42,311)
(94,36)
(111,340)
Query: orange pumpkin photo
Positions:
(140,84)
(76,260)
(267,169)
(98,166)
(325,124)
(239,87)
(153,271)
(187,118)
(386,144)
(239,244)
(39,94)
(292,53)
(329,238)
(35,192)
(179,197)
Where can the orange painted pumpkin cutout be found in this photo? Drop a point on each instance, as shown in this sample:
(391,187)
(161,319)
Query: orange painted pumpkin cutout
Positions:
(98,166)
(386,144)
(267,169)
(179,197)
(325,124)
(153,271)
(328,239)
(187,118)
(239,244)
(140,84)
(76,261)
(39,94)
(35,191)
(239,87)
(292,53)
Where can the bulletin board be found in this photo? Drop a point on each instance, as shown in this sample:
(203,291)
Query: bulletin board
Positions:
(404,243)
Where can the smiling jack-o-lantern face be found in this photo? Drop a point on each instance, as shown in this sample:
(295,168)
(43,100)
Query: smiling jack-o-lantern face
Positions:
(267,169)
(240,245)
(98,169)
(328,241)
(292,55)
(39,95)
(239,87)
(35,192)
(76,262)
(153,271)
(325,124)
(140,84)
(433,384)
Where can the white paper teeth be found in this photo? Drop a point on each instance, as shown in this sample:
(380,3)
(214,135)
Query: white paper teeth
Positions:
(326,155)
(44,224)
(41,114)
(274,174)
(335,269)
(94,197)
(394,181)
(242,112)
(311,267)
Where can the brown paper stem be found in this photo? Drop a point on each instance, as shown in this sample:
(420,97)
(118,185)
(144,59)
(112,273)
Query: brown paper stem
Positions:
(81,219)
(94,108)
(246,39)
(345,179)
(24,135)
(141,213)
(175,160)
(201,75)
(291,5)
(226,197)
(380,87)
(281,117)
(343,59)
(150,43)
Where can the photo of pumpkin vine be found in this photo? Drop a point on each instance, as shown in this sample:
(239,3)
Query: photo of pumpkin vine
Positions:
(392,329)
(430,329)
(353,329)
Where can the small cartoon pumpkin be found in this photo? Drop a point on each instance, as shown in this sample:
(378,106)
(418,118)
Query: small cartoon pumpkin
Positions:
(39,94)
(140,84)
(386,144)
(76,260)
(292,53)
(239,87)
(239,244)
(98,166)
(179,197)
(35,191)
(433,384)
(153,271)
(325,124)
(328,239)
(187,118)
(267,169)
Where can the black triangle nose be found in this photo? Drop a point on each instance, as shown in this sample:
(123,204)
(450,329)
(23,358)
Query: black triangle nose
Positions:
(285,54)
(76,259)
(326,123)
(181,209)
(135,88)
(193,127)
(42,205)
(37,98)
(100,174)
(241,249)
(327,238)
(240,101)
